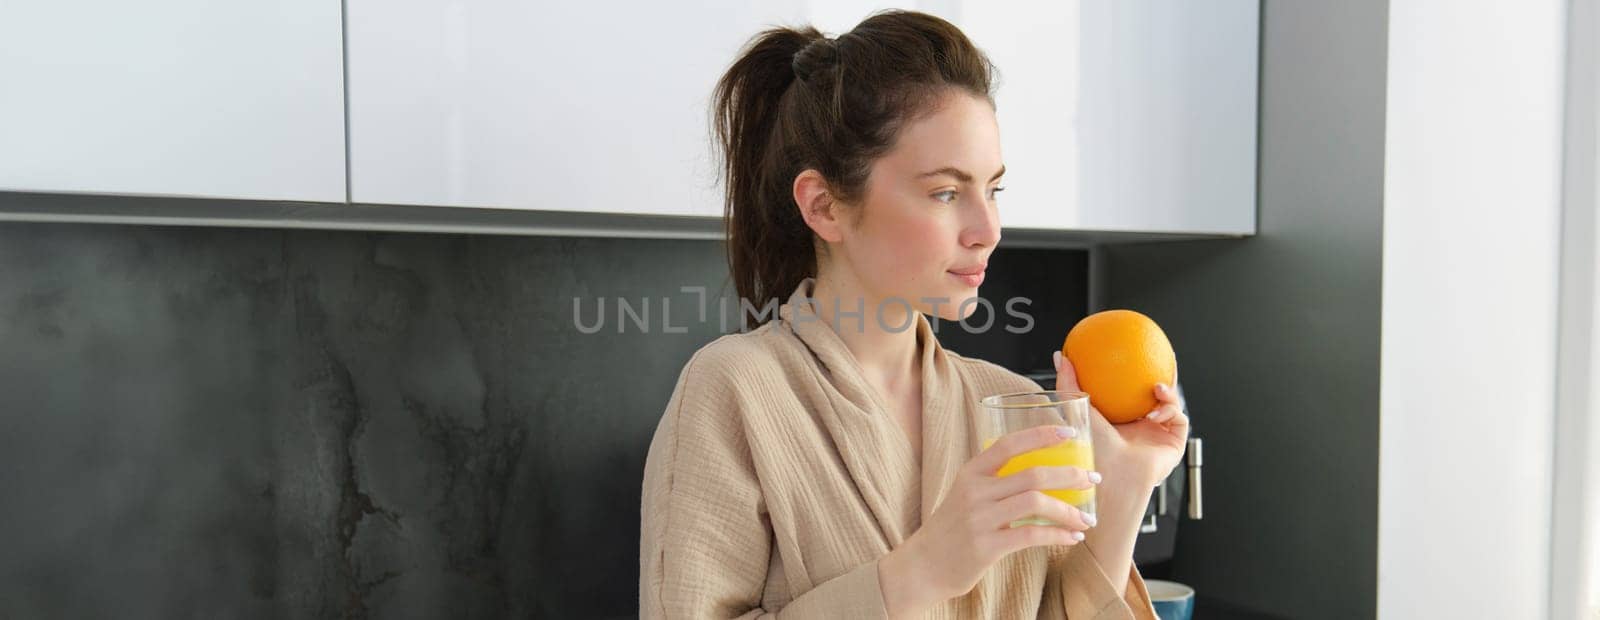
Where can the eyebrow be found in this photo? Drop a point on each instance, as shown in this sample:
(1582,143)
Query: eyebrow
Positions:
(959,174)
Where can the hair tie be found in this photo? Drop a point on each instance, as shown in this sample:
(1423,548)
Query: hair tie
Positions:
(817,55)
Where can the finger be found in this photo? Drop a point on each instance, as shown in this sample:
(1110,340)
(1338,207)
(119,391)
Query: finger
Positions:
(1066,376)
(1178,423)
(1040,479)
(1015,539)
(990,460)
(1165,413)
(1165,394)
(1036,504)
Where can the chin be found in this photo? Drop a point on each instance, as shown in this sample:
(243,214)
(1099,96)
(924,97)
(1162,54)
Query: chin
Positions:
(951,310)
(971,308)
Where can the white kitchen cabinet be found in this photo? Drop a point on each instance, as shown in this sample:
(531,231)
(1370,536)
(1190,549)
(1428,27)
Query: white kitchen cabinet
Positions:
(1133,115)
(569,106)
(1116,116)
(173,97)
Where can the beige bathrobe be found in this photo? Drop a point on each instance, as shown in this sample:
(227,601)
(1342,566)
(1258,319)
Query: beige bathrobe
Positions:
(777,478)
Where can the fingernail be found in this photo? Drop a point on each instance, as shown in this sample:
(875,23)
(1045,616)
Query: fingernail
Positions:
(1094,477)
(1152,415)
(1161,387)
(1089,519)
(1055,358)
(1078,536)
(1066,432)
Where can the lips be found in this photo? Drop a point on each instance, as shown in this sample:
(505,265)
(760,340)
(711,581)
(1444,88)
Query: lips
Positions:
(970,276)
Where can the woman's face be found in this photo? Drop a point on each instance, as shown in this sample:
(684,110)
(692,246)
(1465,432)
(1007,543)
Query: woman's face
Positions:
(929,210)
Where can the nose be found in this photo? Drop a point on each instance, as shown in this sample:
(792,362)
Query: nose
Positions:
(981,226)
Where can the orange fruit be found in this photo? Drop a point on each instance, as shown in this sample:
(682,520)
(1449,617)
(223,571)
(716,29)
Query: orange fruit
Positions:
(1120,356)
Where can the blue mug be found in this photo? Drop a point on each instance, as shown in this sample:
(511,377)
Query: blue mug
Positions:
(1173,601)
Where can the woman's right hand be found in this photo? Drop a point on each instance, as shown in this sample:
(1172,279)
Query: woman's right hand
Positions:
(969,531)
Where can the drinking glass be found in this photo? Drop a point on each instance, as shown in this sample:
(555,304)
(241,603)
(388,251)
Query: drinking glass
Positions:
(1007,413)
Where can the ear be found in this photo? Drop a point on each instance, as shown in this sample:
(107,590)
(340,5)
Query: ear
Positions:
(817,206)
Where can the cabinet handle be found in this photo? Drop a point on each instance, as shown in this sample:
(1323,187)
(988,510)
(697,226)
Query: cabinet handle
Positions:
(1196,503)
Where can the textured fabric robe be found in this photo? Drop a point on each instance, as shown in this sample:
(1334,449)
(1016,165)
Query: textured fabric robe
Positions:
(777,478)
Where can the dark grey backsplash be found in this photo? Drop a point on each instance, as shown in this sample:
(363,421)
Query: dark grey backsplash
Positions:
(215,422)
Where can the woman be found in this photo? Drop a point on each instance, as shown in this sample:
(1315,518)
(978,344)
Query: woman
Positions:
(821,465)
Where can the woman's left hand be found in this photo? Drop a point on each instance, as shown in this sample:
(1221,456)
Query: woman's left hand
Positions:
(1141,452)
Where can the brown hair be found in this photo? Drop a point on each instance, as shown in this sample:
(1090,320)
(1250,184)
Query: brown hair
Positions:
(795,99)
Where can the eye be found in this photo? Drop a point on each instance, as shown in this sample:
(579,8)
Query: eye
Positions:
(995,191)
(949,192)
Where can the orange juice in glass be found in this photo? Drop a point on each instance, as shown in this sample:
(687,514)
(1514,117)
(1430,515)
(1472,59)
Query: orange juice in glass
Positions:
(1007,413)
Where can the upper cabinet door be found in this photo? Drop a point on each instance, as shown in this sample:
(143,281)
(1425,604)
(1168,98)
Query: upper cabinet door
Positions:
(575,106)
(1136,115)
(173,97)
(1129,115)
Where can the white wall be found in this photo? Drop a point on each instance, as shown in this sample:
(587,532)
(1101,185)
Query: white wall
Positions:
(1470,242)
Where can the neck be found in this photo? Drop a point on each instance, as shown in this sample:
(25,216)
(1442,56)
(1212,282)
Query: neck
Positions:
(889,358)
